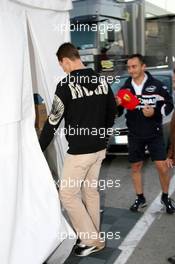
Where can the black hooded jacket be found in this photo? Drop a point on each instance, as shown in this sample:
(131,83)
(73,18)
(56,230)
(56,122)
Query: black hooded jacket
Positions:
(88,106)
(154,93)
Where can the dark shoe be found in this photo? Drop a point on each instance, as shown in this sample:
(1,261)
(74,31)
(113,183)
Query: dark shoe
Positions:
(171,260)
(84,250)
(78,242)
(169,205)
(138,204)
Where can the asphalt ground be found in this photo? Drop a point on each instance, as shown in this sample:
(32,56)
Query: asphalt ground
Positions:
(146,237)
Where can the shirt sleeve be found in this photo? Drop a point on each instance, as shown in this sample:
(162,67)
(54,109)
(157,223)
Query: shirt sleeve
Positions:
(111,108)
(120,108)
(54,119)
(165,105)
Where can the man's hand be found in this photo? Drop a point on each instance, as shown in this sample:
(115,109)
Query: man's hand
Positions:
(169,163)
(118,100)
(148,111)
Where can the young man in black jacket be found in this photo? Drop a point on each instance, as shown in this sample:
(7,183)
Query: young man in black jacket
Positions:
(145,128)
(87,104)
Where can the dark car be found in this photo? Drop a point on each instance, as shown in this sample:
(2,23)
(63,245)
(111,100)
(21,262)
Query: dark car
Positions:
(118,142)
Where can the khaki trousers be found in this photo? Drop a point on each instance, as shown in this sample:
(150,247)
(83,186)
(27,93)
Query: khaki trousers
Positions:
(80,197)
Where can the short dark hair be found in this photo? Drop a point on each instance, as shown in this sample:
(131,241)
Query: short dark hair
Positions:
(67,50)
(138,56)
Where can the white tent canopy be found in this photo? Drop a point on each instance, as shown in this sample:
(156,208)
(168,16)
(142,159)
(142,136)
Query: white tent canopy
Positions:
(167,5)
(58,5)
(31,222)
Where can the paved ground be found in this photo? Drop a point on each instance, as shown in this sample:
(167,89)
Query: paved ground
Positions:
(157,244)
(113,220)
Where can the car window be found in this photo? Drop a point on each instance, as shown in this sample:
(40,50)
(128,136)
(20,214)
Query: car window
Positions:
(165,79)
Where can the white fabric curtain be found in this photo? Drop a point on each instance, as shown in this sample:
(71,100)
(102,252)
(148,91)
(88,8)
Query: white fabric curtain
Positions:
(47,68)
(11,81)
(31,223)
(59,5)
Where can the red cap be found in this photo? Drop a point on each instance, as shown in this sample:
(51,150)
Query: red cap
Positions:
(129,100)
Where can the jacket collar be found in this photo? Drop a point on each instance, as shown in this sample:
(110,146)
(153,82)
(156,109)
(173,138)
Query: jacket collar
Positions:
(128,83)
